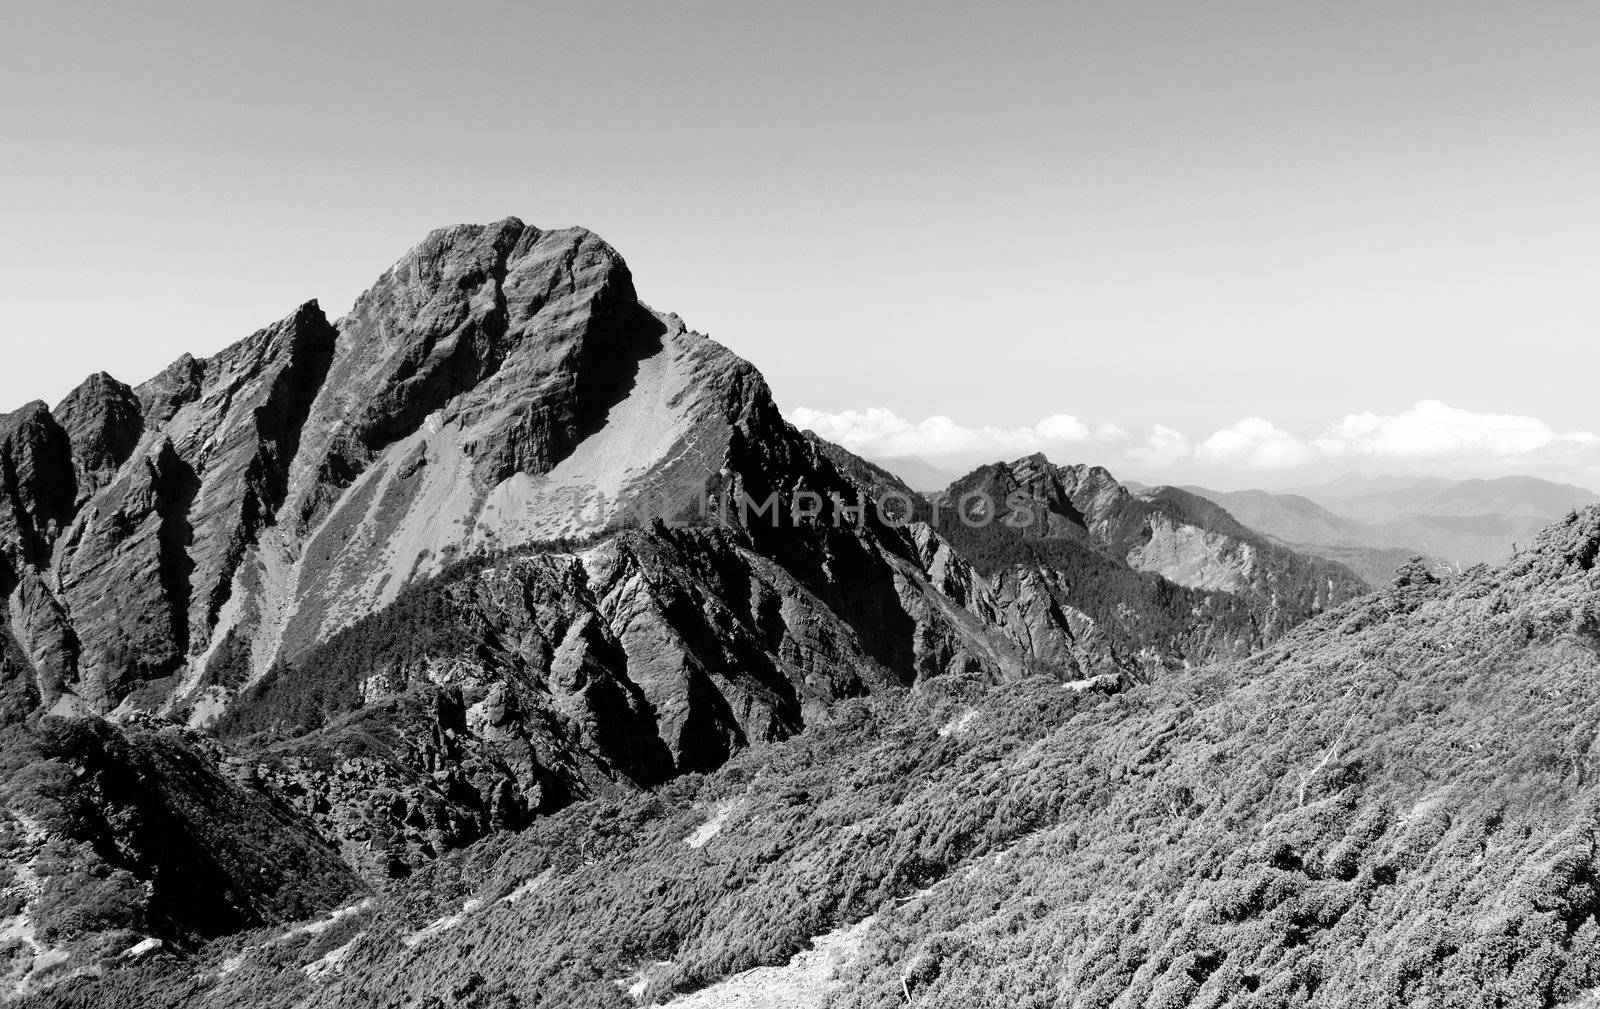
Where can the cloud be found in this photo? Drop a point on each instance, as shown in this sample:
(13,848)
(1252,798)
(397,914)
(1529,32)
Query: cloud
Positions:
(1164,447)
(1430,430)
(1109,431)
(1256,443)
(882,433)
(1060,427)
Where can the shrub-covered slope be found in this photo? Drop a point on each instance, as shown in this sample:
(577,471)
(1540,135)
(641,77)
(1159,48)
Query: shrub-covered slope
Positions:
(1395,805)
(115,837)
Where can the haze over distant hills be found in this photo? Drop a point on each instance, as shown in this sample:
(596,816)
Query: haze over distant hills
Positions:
(1374,523)
(920,474)
(1385,497)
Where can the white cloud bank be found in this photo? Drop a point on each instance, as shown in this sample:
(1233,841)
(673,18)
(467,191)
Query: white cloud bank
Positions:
(882,433)
(1428,432)
(1255,443)
(1432,430)
(1165,447)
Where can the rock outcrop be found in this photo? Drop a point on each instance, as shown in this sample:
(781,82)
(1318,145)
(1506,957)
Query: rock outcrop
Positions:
(1165,574)
(103,420)
(37,488)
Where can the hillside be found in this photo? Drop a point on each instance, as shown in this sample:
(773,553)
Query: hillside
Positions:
(1392,806)
(117,842)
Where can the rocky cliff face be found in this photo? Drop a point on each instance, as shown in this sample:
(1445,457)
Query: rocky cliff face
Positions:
(103,420)
(254,503)
(37,489)
(1164,576)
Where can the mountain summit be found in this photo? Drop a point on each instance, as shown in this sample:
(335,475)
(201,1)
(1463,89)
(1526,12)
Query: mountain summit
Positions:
(247,506)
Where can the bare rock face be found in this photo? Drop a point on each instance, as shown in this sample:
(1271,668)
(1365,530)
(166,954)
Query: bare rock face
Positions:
(103,420)
(240,436)
(123,575)
(518,337)
(44,637)
(1227,590)
(178,384)
(484,383)
(37,488)
(150,560)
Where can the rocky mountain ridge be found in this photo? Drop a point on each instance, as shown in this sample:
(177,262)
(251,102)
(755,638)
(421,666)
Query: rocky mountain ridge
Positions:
(1206,585)
(377,566)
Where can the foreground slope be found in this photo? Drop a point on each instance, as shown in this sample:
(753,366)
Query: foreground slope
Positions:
(1393,806)
(116,841)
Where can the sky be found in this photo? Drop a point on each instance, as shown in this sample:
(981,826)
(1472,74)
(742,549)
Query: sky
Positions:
(1243,244)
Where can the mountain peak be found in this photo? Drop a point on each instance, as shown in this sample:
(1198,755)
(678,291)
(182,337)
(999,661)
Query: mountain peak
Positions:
(23,414)
(103,419)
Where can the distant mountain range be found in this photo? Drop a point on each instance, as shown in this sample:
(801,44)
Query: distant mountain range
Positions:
(1372,524)
(920,474)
